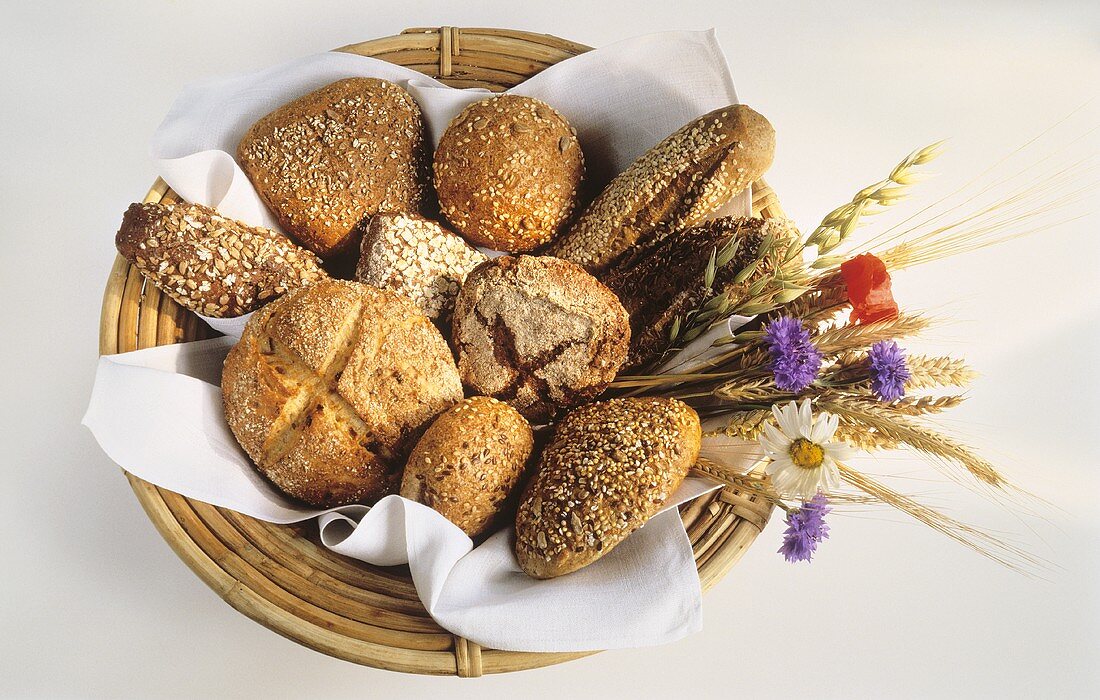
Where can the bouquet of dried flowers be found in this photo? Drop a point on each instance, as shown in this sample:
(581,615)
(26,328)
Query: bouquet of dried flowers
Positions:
(798,349)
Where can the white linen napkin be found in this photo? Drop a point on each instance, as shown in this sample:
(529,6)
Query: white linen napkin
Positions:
(646,591)
(158,412)
(622,99)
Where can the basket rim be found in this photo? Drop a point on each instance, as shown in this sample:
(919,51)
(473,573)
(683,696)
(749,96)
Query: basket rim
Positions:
(273,574)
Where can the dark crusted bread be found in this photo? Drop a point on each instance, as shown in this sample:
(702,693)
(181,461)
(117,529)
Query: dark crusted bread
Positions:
(210,264)
(327,159)
(415,258)
(539,333)
(609,468)
(507,170)
(664,279)
(469,461)
(329,387)
(674,185)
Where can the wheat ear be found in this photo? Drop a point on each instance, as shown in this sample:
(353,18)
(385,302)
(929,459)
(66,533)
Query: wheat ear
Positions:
(929,372)
(967,535)
(903,429)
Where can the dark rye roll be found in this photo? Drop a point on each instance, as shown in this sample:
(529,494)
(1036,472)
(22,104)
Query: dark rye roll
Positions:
(674,185)
(538,333)
(664,279)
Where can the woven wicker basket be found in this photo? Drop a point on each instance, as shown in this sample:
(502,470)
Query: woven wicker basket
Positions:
(281,576)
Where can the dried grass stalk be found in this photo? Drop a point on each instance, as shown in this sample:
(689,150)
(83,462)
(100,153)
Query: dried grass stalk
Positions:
(969,536)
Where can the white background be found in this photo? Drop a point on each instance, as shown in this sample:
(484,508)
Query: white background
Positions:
(93,603)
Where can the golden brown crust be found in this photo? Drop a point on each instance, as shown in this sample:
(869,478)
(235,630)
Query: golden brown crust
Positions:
(609,468)
(507,171)
(329,386)
(417,259)
(538,333)
(469,461)
(675,184)
(343,152)
(210,264)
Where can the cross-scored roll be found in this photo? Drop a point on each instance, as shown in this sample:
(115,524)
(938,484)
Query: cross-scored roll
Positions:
(329,386)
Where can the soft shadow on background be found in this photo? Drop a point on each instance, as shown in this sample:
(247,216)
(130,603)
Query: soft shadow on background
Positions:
(95,604)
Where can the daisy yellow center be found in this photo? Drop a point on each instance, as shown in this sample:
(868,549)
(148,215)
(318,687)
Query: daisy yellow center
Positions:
(806,454)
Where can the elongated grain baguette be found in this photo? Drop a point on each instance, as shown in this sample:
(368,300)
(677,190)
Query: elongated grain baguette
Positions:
(674,185)
(210,264)
(609,468)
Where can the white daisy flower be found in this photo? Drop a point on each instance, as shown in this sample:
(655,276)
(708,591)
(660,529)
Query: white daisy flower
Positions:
(803,461)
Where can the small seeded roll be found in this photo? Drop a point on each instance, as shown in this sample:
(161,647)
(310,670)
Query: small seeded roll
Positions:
(608,469)
(676,184)
(416,258)
(212,265)
(469,462)
(329,387)
(507,170)
(326,160)
(539,333)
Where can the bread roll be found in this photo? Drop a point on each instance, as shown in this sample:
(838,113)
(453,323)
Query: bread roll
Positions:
(674,185)
(609,468)
(469,461)
(663,280)
(210,264)
(343,152)
(539,333)
(329,386)
(417,259)
(507,170)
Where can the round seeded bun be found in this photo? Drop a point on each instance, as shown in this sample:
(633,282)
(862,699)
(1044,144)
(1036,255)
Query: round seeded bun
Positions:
(608,469)
(469,461)
(539,333)
(330,385)
(507,171)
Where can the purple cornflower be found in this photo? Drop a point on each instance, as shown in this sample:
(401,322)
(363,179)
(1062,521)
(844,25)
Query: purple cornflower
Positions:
(805,529)
(888,370)
(795,361)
